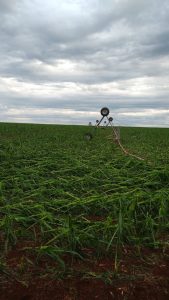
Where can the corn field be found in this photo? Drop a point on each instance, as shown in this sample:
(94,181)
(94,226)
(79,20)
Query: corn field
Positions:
(65,198)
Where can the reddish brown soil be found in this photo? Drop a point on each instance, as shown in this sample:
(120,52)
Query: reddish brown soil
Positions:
(82,289)
(144,276)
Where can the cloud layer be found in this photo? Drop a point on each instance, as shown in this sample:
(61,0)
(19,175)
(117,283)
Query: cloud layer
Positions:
(61,61)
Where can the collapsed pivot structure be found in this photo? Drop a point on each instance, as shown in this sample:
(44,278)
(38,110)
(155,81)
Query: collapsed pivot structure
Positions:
(104,112)
(116,131)
(109,122)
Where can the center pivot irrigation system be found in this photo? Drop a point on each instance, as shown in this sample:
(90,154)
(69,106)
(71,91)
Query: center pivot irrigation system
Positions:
(116,130)
(104,112)
(104,122)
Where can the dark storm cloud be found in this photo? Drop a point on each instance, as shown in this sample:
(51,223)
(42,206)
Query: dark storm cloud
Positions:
(157,45)
(82,55)
(7,5)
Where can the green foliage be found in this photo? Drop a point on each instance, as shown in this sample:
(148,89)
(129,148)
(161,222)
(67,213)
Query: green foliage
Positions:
(68,193)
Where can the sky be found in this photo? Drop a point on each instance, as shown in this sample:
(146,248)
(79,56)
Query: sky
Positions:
(61,61)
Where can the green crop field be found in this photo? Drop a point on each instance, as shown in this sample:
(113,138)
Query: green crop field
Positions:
(64,199)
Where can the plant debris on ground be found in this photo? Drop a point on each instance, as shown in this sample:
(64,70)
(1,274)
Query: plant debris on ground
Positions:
(78,218)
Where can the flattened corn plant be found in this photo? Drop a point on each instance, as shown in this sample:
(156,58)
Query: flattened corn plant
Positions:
(67,194)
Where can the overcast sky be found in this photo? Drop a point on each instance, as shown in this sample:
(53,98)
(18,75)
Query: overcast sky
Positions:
(61,61)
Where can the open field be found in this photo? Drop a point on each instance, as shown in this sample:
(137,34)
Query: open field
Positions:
(81,220)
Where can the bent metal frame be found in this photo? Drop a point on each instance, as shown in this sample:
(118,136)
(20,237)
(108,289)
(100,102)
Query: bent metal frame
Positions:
(104,112)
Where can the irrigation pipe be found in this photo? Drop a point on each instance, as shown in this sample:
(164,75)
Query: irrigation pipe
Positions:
(121,146)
